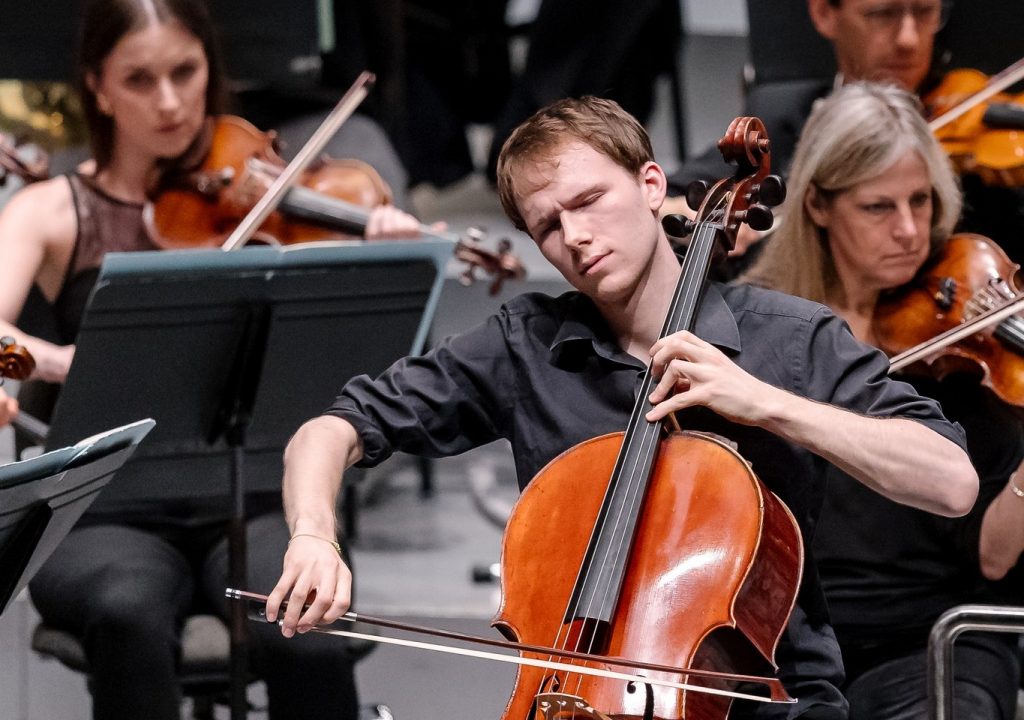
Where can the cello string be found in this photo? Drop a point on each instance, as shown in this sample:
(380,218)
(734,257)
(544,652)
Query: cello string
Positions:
(688,290)
(650,431)
(703,239)
(519,660)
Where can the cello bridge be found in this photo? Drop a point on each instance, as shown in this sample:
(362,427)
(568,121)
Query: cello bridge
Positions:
(559,706)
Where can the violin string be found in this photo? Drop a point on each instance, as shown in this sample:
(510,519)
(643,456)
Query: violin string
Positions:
(649,433)
(990,298)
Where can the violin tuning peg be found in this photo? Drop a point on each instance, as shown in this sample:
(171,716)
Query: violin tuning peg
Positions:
(758,217)
(771,191)
(695,194)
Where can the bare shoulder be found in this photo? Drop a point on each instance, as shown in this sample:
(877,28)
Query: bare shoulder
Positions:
(43,212)
(37,238)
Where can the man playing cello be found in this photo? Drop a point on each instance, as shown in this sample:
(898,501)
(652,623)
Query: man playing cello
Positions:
(781,377)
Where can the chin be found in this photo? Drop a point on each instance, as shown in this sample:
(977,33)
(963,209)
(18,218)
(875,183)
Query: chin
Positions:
(896,280)
(168,151)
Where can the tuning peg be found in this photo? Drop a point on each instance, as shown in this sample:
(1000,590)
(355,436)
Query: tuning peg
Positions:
(695,194)
(771,191)
(677,226)
(758,217)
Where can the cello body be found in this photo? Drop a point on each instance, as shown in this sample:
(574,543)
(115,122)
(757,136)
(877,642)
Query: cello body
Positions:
(712,576)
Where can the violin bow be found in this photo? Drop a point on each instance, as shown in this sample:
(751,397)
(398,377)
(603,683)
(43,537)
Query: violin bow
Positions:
(313,147)
(997,83)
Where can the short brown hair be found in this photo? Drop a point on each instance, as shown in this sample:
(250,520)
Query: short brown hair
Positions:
(602,124)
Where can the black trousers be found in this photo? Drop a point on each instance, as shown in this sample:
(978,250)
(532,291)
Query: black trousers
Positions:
(127,590)
(986,673)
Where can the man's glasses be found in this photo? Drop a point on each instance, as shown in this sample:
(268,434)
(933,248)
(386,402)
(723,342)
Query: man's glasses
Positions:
(928,17)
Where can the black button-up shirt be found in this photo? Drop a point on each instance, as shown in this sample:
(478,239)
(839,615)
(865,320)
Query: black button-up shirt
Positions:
(546,373)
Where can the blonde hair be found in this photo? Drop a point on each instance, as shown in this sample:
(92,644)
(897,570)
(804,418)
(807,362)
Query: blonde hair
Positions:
(854,135)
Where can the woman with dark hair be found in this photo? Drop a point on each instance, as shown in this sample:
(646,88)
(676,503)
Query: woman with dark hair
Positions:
(125,580)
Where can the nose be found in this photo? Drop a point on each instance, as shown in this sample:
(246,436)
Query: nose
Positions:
(908,36)
(168,99)
(574,231)
(905,227)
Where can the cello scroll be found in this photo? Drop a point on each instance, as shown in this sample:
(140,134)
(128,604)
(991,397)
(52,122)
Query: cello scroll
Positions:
(747,197)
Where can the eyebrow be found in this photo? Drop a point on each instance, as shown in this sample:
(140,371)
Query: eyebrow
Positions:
(572,202)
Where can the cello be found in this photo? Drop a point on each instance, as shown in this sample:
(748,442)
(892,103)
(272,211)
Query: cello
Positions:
(663,553)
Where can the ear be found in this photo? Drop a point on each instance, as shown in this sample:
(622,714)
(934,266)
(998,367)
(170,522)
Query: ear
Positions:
(92,83)
(817,208)
(654,185)
(824,15)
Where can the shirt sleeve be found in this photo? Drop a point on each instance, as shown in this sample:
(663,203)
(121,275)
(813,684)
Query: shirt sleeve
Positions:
(443,403)
(857,378)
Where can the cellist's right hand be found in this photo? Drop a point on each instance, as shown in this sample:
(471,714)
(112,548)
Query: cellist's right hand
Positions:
(314,574)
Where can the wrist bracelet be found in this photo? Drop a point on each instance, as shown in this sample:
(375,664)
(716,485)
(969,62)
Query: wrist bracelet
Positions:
(1016,490)
(333,543)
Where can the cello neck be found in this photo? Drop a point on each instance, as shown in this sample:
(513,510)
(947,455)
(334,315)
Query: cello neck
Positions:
(597,593)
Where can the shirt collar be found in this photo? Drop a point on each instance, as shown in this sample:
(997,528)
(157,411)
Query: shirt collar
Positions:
(583,324)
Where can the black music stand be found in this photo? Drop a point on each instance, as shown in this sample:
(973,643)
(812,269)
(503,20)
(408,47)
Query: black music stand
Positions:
(230,353)
(42,498)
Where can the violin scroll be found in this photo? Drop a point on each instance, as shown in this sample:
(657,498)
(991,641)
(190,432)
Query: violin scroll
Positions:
(12,162)
(15,361)
(502,264)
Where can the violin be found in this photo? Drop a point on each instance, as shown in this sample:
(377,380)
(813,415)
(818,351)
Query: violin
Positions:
(980,127)
(961,314)
(203,206)
(200,207)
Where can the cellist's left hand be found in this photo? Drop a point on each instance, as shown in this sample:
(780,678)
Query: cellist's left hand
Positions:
(693,372)
(386,222)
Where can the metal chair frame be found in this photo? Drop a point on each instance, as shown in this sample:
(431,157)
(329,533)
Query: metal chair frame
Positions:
(949,626)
